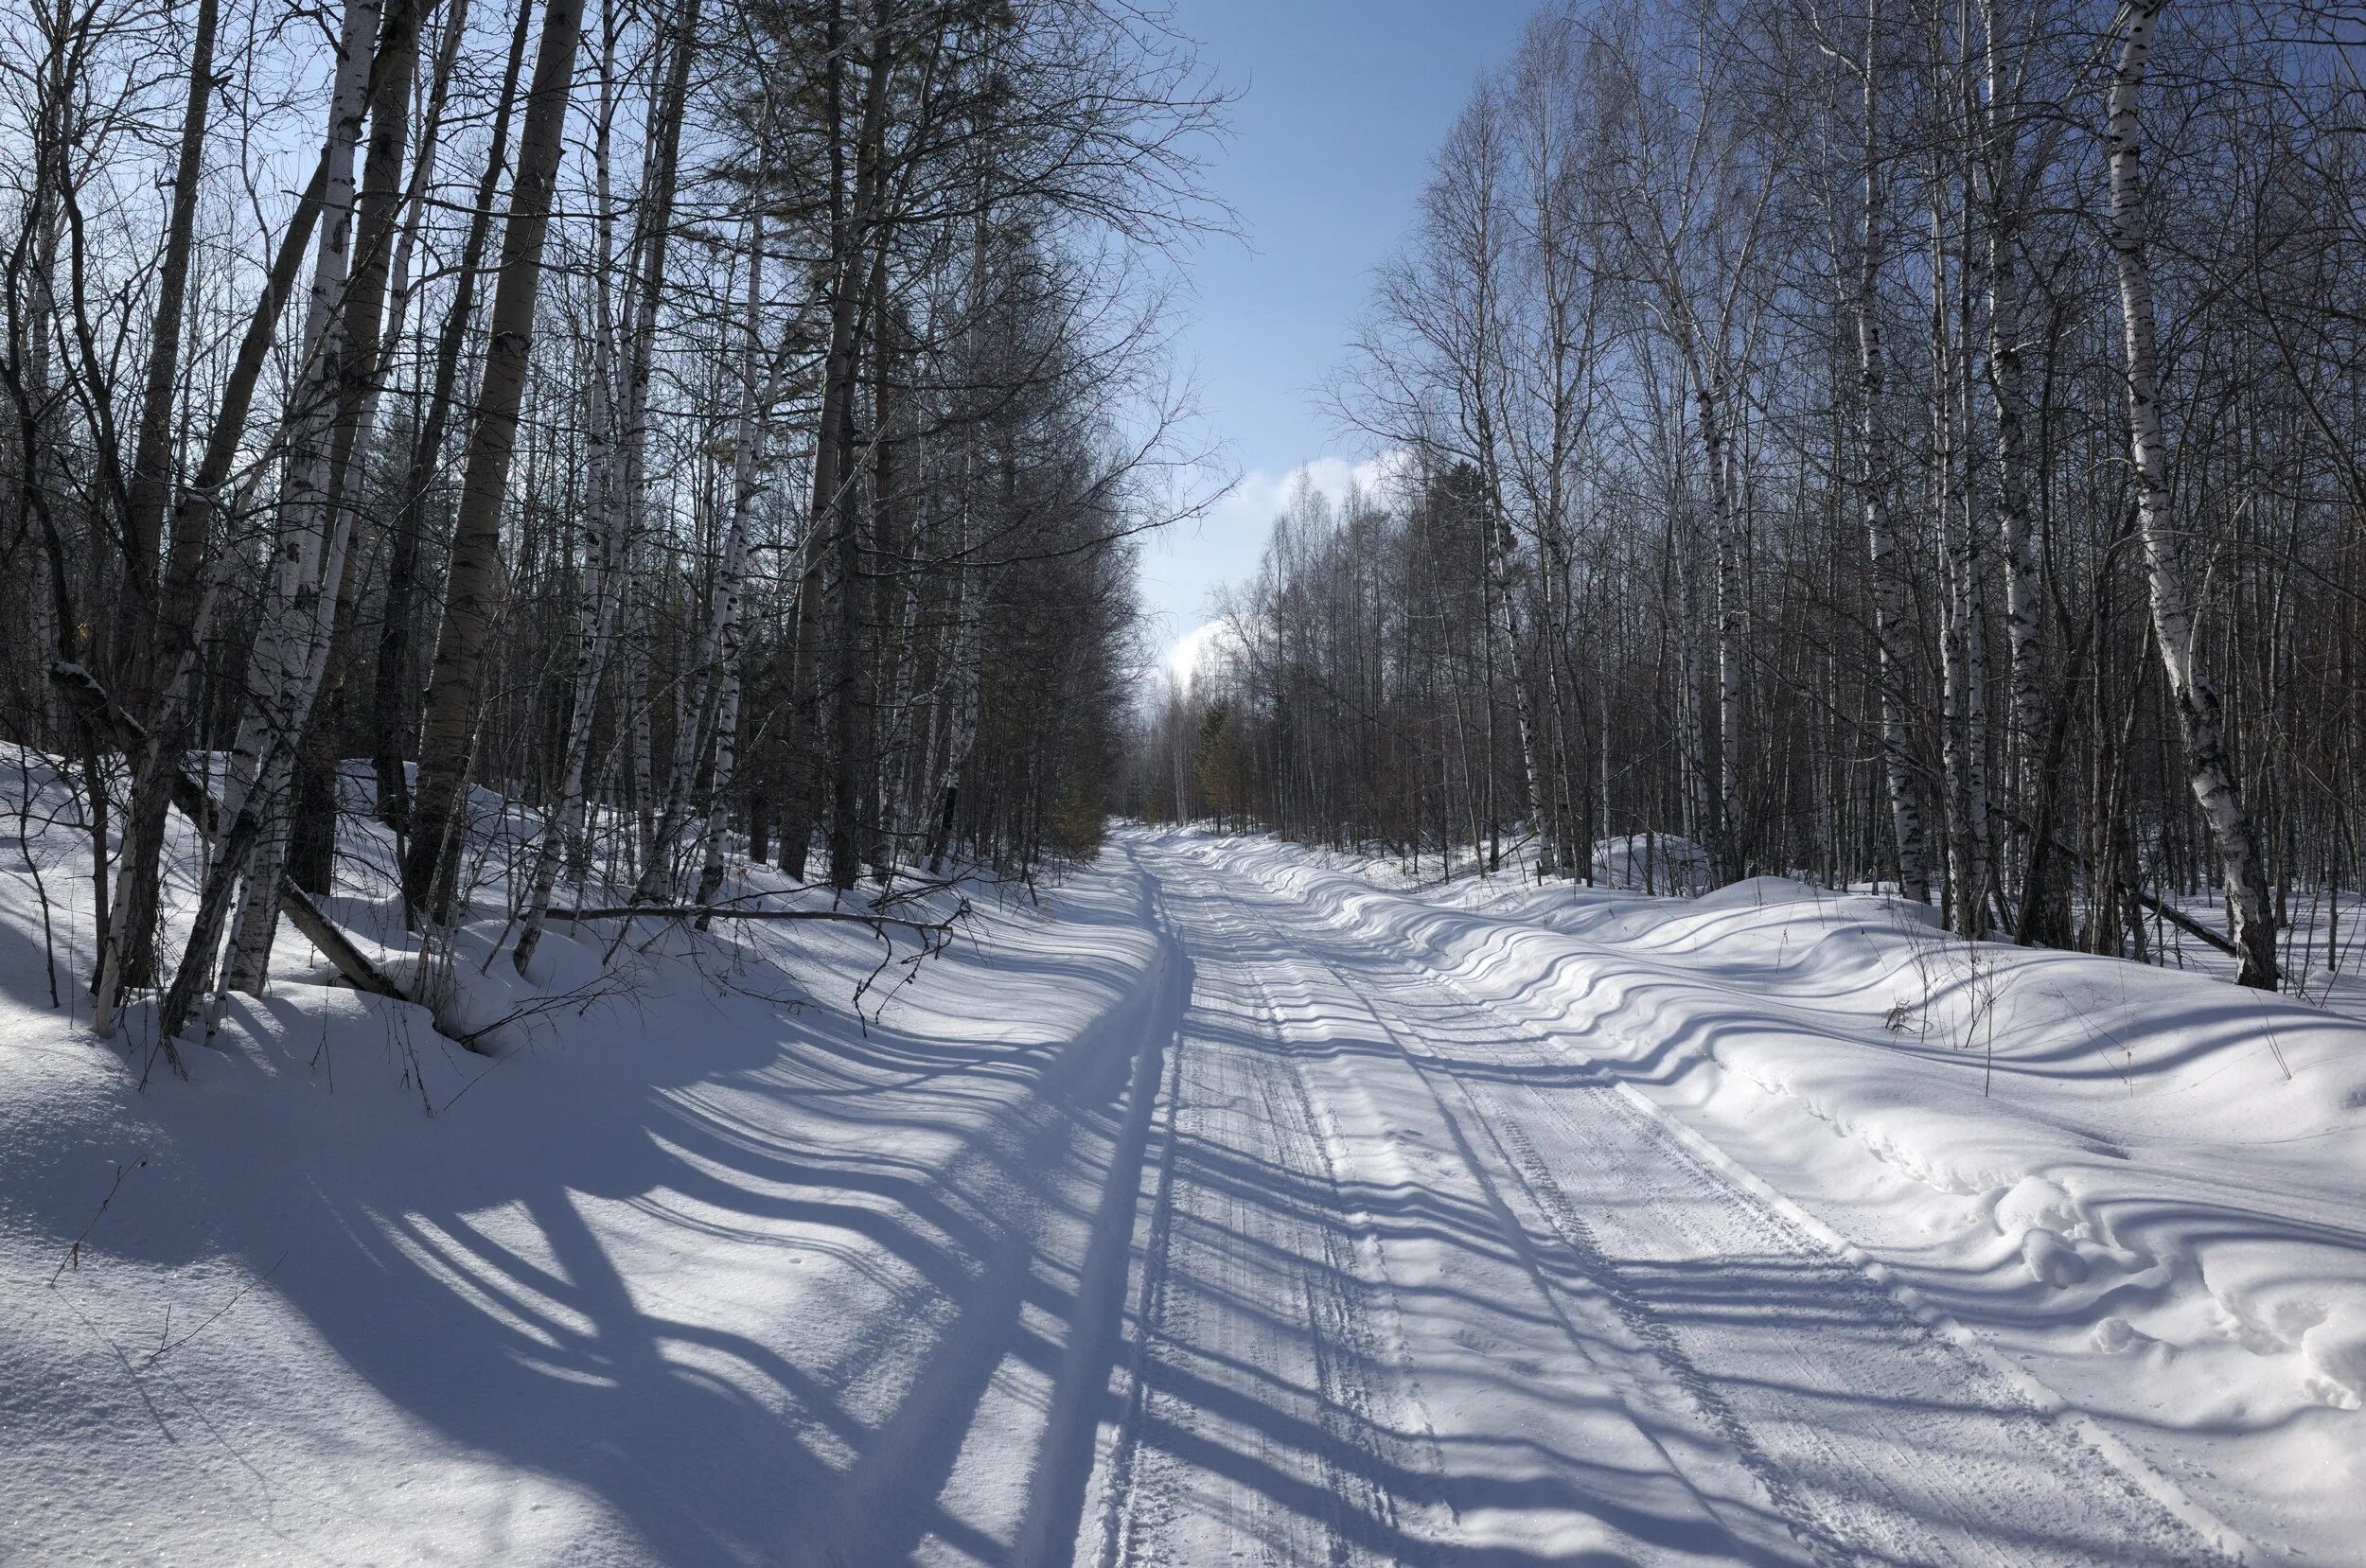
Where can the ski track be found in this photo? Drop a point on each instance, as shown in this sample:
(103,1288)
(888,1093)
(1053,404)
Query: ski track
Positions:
(1414,1282)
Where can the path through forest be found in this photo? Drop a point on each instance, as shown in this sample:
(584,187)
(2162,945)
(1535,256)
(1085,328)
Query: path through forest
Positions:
(1235,1205)
(1419,1283)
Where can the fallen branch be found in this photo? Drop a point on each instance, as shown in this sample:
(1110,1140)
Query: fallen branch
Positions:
(166,1344)
(74,1254)
(2182,921)
(2160,906)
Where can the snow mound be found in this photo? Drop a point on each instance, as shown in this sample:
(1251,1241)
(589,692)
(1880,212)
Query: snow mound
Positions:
(1764,893)
(2335,1351)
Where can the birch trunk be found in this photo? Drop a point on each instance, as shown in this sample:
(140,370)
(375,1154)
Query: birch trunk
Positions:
(131,955)
(2042,887)
(1962,706)
(1733,620)
(304,842)
(283,670)
(595,605)
(1895,659)
(395,679)
(2197,710)
(948,751)
(651,245)
(430,869)
(747,455)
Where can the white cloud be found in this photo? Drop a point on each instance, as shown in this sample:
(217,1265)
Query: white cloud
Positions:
(1188,651)
(1186,570)
(1249,512)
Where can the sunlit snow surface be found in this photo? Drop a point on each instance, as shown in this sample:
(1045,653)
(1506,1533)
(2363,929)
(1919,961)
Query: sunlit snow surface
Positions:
(1237,1205)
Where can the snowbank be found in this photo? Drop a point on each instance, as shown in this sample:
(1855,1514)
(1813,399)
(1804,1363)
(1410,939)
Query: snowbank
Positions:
(2147,1188)
(700,1269)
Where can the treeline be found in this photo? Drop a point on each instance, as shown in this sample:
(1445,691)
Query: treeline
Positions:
(648,435)
(1885,441)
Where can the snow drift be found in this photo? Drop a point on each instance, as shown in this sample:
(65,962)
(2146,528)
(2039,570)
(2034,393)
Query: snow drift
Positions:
(2146,1188)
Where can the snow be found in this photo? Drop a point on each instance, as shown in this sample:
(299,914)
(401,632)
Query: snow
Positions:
(2143,1188)
(1652,862)
(675,1278)
(1238,1200)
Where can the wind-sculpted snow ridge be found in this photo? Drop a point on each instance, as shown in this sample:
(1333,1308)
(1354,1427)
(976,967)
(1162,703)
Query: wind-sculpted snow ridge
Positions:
(2145,1189)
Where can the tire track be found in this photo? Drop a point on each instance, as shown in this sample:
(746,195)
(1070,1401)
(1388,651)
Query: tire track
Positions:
(1843,1494)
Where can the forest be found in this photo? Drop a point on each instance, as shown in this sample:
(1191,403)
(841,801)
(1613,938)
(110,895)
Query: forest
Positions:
(615,434)
(617,946)
(1901,442)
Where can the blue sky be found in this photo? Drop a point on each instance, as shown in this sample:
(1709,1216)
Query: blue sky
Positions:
(1343,102)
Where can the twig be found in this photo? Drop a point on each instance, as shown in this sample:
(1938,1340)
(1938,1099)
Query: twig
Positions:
(218,1316)
(73,1258)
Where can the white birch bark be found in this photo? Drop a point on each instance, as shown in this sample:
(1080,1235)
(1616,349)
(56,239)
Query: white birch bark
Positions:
(2007,376)
(34,349)
(1733,614)
(962,734)
(2198,715)
(1962,701)
(291,645)
(659,178)
(747,454)
(1884,558)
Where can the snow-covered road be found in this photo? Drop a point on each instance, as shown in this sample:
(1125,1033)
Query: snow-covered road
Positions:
(1239,1204)
(1419,1283)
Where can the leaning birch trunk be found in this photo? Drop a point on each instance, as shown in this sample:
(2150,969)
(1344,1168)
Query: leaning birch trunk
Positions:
(430,869)
(185,602)
(384,209)
(309,553)
(349,367)
(596,618)
(131,956)
(282,678)
(2214,781)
